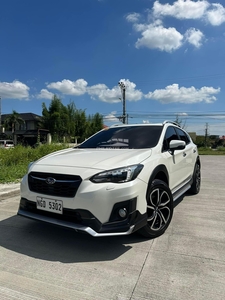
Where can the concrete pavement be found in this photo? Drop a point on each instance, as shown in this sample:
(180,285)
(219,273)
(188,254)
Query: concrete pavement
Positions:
(39,261)
(9,189)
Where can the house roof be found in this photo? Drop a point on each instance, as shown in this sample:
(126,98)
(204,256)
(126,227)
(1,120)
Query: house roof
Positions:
(24,116)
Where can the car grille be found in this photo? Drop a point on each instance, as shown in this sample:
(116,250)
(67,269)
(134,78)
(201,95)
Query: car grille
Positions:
(60,184)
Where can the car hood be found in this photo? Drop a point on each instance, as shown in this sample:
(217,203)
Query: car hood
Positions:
(102,159)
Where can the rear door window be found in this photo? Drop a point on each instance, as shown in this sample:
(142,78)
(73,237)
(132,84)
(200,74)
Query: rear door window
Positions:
(183,136)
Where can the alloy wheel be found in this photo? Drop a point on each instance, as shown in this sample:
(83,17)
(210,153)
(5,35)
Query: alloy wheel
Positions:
(158,209)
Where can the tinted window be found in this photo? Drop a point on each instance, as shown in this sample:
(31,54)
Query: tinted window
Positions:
(133,137)
(169,136)
(183,136)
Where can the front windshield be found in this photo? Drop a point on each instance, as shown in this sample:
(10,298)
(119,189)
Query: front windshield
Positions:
(130,137)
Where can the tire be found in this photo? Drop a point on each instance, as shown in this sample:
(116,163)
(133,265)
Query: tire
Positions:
(195,187)
(159,209)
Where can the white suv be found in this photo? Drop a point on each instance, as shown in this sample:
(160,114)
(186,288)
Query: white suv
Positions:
(122,179)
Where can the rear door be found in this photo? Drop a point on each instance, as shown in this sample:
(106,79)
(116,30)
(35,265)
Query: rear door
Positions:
(189,151)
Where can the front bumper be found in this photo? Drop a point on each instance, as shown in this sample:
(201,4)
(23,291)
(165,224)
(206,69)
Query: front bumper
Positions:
(82,220)
(76,227)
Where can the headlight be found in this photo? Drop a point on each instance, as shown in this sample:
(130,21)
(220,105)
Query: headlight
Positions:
(120,175)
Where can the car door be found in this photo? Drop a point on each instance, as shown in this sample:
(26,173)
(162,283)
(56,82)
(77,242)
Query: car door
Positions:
(188,153)
(175,161)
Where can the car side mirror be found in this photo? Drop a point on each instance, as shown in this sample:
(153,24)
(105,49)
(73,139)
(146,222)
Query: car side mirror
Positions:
(176,145)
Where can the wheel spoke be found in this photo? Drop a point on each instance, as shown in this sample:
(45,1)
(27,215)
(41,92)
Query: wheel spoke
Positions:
(165,214)
(151,217)
(150,207)
(157,222)
(155,197)
(164,199)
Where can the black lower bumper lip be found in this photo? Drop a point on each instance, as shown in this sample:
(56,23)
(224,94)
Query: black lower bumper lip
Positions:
(76,227)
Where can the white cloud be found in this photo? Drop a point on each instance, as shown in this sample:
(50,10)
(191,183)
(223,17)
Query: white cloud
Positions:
(188,9)
(216,16)
(194,37)
(173,93)
(97,92)
(45,94)
(131,93)
(68,87)
(14,90)
(181,9)
(182,114)
(155,36)
(103,93)
(170,94)
(217,117)
(133,17)
(111,117)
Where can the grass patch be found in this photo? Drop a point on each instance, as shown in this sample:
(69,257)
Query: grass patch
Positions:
(209,151)
(14,162)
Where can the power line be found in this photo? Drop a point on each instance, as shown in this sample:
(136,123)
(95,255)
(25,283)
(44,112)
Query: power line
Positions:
(159,114)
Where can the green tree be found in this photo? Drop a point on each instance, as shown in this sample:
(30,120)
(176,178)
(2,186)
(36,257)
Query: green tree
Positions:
(69,121)
(200,141)
(80,125)
(94,124)
(55,118)
(12,120)
(71,110)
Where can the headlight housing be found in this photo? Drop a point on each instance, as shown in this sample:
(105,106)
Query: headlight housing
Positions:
(119,175)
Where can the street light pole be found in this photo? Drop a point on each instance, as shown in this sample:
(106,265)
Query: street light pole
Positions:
(123,91)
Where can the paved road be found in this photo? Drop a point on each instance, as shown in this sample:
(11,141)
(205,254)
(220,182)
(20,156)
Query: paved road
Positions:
(39,261)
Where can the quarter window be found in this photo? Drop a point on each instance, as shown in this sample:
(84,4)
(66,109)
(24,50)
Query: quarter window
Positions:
(183,136)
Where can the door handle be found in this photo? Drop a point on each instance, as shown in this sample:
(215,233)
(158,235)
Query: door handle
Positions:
(184,154)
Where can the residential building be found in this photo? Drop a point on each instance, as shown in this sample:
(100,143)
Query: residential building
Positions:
(27,133)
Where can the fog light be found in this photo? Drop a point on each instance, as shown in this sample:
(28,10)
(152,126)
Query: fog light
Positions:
(122,212)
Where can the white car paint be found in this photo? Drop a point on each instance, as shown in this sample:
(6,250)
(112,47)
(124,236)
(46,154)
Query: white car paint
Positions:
(99,199)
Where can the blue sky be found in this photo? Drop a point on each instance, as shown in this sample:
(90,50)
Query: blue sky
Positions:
(169,54)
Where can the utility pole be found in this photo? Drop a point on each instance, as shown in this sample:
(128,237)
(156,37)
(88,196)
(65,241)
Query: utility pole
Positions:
(206,133)
(123,91)
(0,115)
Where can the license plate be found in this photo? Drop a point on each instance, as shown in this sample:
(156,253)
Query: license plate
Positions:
(55,206)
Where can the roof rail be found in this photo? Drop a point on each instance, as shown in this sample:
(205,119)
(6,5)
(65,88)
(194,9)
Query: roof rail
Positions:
(171,122)
(117,124)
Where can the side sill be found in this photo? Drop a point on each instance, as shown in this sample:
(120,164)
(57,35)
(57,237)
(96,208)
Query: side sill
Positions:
(181,191)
